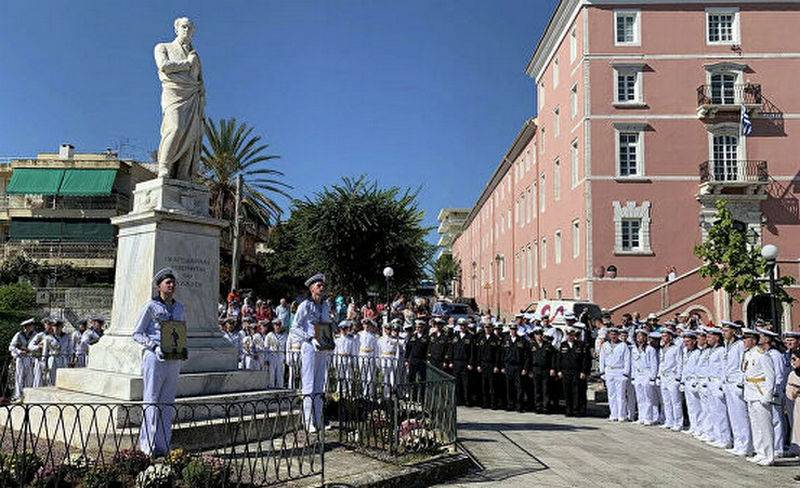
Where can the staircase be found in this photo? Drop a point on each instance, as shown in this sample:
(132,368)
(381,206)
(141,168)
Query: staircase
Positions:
(668,297)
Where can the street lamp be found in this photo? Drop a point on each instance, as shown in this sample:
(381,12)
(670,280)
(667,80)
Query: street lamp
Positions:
(770,255)
(388,272)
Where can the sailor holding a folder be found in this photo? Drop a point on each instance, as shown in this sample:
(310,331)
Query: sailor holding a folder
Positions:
(759,386)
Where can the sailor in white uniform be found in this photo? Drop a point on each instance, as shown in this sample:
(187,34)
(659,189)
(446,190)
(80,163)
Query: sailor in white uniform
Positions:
(39,347)
(233,336)
(275,345)
(23,362)
(367,356)
(59,356)
(159,376)
(718,411)
(78,361)
(734,389)
(690,381)
(389,355)
(669,377)
(759,388)
(644,369)
(781,375)
(615,364)
(312,313)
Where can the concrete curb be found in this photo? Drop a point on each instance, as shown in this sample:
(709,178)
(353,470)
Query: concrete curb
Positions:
(426,473)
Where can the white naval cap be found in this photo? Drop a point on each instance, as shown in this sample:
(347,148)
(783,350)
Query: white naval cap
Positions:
(713,330)
(345,323)
(728,323)
(792,333)
(767,333)
(461,321)
(319,277)
(568,315)
(162,275)
(654,335)
(749,331)
(27,322)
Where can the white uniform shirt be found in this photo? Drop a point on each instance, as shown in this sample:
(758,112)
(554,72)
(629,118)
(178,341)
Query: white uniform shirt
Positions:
(388,347)
(669,363)
(616,359)
(734,354)
(367,344)
(781,373)
(88,338)
(759,376)
(236,339)
(644,363)
(716,364)
(690,367)
(276,343)
(19,343)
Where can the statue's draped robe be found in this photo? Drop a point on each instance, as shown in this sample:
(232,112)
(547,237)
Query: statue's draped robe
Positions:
(182,103)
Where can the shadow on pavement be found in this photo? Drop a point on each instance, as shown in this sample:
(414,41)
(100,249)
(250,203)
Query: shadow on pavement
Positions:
(481,426)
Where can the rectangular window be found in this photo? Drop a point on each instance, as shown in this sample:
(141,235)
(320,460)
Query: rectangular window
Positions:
(576,292)
(522,269)
(557,179)
(529,207)
(722,26)
(524,209)
(573,45)
(628,156)
(723,89)
(559,294)
(557,247)
(556,122)
(544,253)
(626,86)
(541,140)
(573,101)
(501,264)
(542,186)
(576,238)
(533,200)
(725,157)
(631,234)
(534,265)
(555,73)
(528,267)
(626,24)
(541,97)
(508,219)
(573,164)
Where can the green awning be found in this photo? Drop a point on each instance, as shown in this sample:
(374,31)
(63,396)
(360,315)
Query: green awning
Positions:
(87,182)
(35,181)
(74,230)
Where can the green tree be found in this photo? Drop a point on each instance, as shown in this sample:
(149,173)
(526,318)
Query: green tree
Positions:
(354,229)
(231,150)
(732,264)
(445,270)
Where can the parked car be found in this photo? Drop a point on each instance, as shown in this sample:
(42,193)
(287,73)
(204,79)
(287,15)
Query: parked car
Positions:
(448,309)
(556,308)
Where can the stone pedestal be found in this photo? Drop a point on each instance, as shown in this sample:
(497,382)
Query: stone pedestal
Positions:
(168,227)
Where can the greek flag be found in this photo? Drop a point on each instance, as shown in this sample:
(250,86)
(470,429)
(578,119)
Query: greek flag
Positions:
(744,119)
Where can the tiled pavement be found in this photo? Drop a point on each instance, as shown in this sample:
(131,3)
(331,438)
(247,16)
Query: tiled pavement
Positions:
(530,450)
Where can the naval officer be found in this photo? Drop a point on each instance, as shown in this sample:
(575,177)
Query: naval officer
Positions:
(160,376)
(314,356)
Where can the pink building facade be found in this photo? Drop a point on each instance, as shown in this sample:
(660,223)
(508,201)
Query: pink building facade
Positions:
(638,133)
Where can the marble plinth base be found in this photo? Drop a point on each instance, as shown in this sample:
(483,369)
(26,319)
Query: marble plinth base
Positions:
(96,423)
(124,387)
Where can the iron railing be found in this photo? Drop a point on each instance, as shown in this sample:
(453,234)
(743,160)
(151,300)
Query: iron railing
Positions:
(248,443)
(118,202)
(729,94)
(734,171)
(60,250)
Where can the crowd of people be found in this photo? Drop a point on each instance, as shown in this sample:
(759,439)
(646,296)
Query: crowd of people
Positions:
(39,349)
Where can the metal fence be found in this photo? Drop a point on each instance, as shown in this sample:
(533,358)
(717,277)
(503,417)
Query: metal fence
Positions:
(250,443)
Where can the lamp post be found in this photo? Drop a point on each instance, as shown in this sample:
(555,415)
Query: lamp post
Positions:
(388,272)
(770,255)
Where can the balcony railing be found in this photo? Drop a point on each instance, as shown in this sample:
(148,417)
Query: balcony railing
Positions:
(734,171)
(729,94)
(60,250)
(117,202)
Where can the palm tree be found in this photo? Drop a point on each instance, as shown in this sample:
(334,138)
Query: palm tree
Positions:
(230,150)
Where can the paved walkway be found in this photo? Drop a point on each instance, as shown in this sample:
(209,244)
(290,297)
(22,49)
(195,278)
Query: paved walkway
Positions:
(530,450)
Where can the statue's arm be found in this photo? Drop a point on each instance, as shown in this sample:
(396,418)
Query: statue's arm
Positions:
(165,65)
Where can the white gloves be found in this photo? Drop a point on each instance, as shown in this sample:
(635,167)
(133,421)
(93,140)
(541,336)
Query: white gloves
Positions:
(159,353)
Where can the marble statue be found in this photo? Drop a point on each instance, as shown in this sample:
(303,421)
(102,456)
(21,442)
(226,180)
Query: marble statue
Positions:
(182,104)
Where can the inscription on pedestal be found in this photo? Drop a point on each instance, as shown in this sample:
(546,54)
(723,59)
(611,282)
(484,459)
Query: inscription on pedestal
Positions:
(191,272)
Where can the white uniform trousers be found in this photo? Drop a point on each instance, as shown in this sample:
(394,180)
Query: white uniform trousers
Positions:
(252,363)
(293,361)
(778,429)
(694,408)
(158,398)
(276,369)
(313,372)
(718,414)
(56,362)
(80,360)
(616,385)
(671,400)
(630,400)
(366,367)
(761,423)
(706,428)
(40,374)
(643,399)
(739,418)
(388,368)
(23,374)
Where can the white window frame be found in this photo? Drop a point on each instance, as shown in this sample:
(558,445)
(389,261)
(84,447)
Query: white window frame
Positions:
(576,238)
(501,267)
(632,211)
(573,45)
(636,69)
(542,192)
(735,28)
(639,128)
(535,263)
(541,96)
(544,253)
(508,219)
(529,213)
(726,68)
(555,72)
(542,134)
(576,291)
(557,179)
(557,241)
(727,129)
(528,266)
(556,121)
(573,102)
(637,27)
(574,163)
(522,268)
(559,294)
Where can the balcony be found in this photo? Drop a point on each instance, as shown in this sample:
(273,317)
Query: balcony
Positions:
(746,177)
(721,98)
(78,254)
(64,206)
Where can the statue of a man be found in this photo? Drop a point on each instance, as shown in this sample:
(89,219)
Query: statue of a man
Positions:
(182,104)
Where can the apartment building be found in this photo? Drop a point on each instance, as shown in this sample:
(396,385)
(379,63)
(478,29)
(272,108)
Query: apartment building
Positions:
(451,222)
(638,133)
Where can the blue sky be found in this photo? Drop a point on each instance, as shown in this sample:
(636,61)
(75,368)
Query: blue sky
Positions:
(412,93)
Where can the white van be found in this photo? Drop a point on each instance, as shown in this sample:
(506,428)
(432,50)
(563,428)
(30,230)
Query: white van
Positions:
(556,308)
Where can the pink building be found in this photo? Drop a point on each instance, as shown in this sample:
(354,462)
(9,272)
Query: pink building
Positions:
(637,135)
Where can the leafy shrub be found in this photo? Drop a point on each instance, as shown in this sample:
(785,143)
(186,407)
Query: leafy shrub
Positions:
(18,469)
(60,476)
(207,471)
(103,476)
(130,462)
(177,459)
(156,476)
(17,297)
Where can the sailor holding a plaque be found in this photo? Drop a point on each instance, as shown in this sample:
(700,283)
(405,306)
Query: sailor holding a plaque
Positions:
(159,369)
(313,330)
